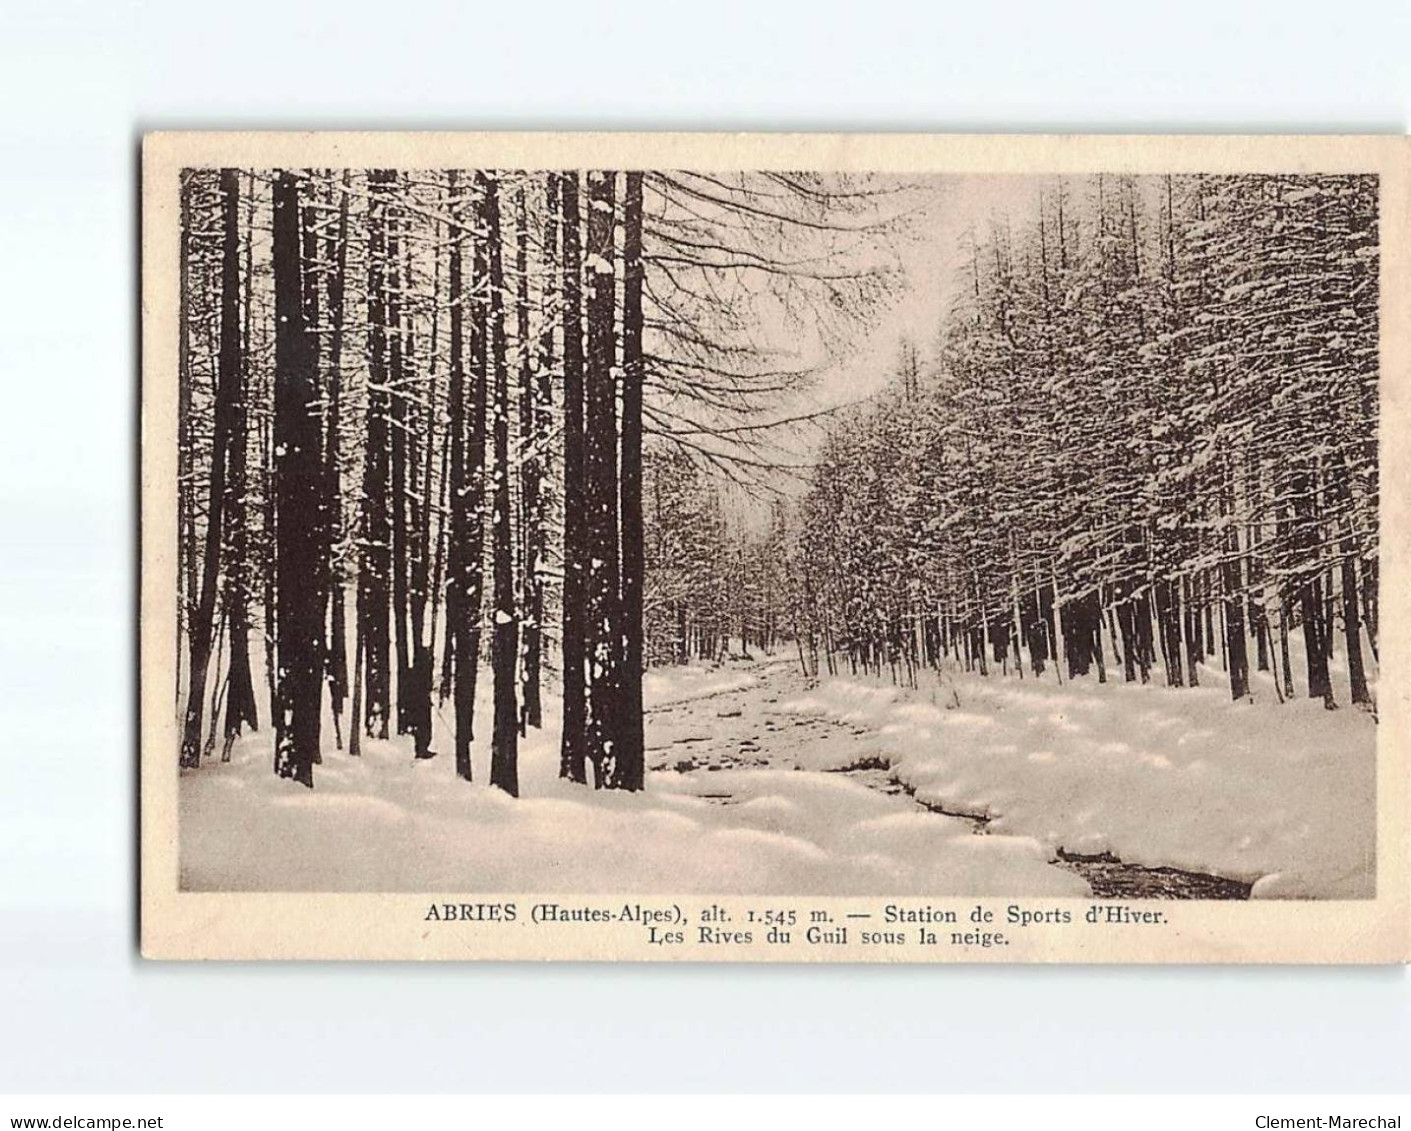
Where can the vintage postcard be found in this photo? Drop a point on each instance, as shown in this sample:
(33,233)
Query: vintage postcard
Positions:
(775,547)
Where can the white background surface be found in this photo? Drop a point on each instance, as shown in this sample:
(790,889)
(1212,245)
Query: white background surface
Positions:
(709,1112)
(79,82)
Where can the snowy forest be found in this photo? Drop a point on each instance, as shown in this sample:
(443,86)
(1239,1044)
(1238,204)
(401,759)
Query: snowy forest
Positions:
(1147,419)
(661,531)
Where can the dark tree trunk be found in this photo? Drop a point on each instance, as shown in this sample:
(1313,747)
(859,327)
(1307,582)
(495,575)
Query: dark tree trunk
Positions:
(355,730)
(468,660)
(269,534)
(573,754)
(298,482)
(1257,616)
(1169,622)
(1329,601)
(202,624)
(1129,649)
(1053,626)
(1207,616)
(309,286)
(1232,581)
(1238,662)
(536,401)
(438,571)
(1311,606)
(1034,629)
(1369,600)
(460,651)
(1285,614)
(504,643)
(529,461)
(240,707)
(401,457)
(336,652)
(630,763)
(419,582)
(1305,539)
(1352,629)
(1146,652)
(600,476)
(185,526)
(374,576)
(1191,628)
(1096,647)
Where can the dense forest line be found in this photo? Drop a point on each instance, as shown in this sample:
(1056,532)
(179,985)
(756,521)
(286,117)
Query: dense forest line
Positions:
(435,420)
(1147,433)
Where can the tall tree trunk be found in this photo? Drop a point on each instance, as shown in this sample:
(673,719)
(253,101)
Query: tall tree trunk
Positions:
(185,488)
(240,707)
(309,279)
(1097,648)
(528,461)
(401,457)
(1207,614)
(355,731)
(1125,620)
(1235,639)
(1146,652)
(1190,622)
(573,753)
(227,394)
(1285,616)
(1169,625)
(460,650)
(504,741)
(298,482)
(336,651)
(1310,604)
(374,575)
(1054,624)
(1352,628)
(423,644)
(479,431)
(1329,603)
(535,426)
(438,572)
(1305,537)
(630,763)
(1232,580)
(1368,588)
(600,475)
(269,532)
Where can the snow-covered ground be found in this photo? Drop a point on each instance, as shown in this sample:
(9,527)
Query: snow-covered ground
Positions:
(747,795)
(1279,795)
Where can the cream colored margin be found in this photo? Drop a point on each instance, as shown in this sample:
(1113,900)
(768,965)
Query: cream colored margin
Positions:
(235,926)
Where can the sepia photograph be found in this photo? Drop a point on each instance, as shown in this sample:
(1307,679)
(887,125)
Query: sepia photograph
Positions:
(774,532)
(751,565)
